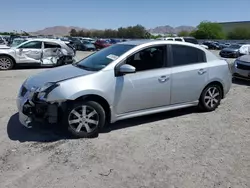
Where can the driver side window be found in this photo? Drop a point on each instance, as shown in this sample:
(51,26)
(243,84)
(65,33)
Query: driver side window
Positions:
(32,44)
(149,58)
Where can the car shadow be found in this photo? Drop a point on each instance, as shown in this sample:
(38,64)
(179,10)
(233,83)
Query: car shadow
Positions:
(39,133)
(149,119)
(52,133)
(241,82)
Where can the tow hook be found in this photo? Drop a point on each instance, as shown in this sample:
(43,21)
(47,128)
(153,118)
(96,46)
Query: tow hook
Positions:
(28,123)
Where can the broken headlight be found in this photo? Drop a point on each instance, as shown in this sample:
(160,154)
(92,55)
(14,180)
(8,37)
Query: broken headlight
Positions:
(45,90)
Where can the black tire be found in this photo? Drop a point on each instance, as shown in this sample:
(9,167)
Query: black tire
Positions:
(99,118)
(204,103)
(7,59)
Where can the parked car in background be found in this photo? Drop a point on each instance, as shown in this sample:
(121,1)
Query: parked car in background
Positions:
(76,43)
(102,43)
(211,45)
(88,46)
(223,45)
(241,67)
(125,80)
(191,40)
(41,52)
(231,52)
(89,40)
(235,50)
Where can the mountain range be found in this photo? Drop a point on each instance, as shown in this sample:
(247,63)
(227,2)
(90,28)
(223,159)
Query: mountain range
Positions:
(64,30)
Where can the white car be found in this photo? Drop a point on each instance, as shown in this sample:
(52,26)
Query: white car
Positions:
(41,52)
(184,39)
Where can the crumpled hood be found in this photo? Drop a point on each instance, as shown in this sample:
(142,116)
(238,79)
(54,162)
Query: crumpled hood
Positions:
(55,75)
(245,58)
(230,50)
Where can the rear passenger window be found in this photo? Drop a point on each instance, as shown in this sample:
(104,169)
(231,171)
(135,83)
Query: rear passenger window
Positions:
(185,55)
(178,39)
(51,45)
(170,39)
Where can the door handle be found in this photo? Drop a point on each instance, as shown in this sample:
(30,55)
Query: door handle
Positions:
(163,79)
(201,71)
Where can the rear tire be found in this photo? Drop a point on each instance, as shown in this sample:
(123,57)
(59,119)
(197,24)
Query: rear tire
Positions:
(210,98)
(85,119)
(6,63)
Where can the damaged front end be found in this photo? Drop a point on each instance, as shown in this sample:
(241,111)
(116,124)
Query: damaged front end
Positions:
(33,106)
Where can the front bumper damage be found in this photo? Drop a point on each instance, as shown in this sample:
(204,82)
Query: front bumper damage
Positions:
(32,110)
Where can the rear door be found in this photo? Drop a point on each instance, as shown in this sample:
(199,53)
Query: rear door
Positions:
(29,52)
(50,53)
(189,73)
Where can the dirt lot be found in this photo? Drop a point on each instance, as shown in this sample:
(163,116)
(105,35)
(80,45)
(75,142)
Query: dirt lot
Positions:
(179,149)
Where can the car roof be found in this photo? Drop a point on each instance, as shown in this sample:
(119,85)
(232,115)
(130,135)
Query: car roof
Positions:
(48,40)
(152,41)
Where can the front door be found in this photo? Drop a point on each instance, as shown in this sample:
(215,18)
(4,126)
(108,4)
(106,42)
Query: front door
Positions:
(29,52)
(189,74)
(149,87)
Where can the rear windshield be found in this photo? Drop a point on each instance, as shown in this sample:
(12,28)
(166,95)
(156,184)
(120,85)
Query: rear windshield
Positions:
(235,46)
(191,40)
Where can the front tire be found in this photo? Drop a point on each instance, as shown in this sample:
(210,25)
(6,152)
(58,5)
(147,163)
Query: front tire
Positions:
(210,98)
(6,63)
(85,119)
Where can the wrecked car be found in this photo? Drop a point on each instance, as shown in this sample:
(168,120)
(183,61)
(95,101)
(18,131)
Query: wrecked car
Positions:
(40,52)
(122,81)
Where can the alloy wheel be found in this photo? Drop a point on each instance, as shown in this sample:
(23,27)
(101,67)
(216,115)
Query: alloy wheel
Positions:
(83,119)
(5,63)
(212,97)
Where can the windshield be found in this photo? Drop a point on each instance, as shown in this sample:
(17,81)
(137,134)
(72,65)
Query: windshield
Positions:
(234,46)
(17,42)
(102,58)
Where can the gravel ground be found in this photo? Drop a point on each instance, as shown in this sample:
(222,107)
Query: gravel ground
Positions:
(179,149)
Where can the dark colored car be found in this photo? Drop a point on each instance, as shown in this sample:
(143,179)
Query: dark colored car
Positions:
(212,45)
(241,68)
(191,40)
(76,43)
(114,41)
(99,44)
(232,51)
(88,46)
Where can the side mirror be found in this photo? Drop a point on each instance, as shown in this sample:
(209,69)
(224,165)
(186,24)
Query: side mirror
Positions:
(125,69)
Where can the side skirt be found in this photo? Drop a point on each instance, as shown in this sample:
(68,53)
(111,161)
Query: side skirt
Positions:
(153,111)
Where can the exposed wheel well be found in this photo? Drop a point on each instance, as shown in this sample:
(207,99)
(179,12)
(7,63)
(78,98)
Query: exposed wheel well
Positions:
(99,100)
(6,55)
(216,83)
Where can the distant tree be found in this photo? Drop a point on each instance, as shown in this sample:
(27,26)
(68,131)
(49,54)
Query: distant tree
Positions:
(184,34)
(208,30)
(73,33)
(239,33)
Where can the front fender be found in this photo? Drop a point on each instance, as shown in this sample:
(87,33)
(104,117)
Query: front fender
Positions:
(60,94)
